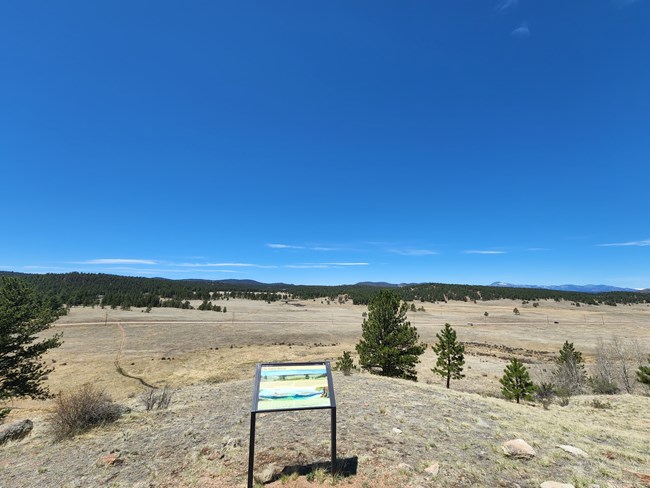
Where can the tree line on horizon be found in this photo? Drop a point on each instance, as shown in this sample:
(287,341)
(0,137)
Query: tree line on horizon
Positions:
(91,289)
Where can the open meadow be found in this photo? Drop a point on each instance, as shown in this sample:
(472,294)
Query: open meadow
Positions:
(183,347)
(400,433)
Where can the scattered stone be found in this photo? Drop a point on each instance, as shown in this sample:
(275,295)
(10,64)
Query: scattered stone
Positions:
(396,430)
(232,442)
(508,484)
(555,484)
(16,431)
(112,459)
(518,448)
(573,450)
(433,469)
(269,473)
(405,467)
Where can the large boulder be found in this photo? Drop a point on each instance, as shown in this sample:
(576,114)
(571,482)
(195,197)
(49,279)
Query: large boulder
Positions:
(518,448)
(16,431)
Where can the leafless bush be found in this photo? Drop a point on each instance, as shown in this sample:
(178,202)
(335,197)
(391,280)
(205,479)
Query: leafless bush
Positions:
(78,411)
(157,399)
(615,366)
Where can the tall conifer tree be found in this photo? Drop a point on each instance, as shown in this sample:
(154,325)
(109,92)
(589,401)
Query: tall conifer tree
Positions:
(451,355)
(23,316)
(389,345)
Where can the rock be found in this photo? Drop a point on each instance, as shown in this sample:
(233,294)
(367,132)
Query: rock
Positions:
(269,473)
(232,442)
(433,469)
(555,484)
(405,467)
(573,450)
(396,430)
(518,448)
(111,459)
(16,431)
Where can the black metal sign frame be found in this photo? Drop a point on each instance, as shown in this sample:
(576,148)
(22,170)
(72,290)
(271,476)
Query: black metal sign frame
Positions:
(255,410)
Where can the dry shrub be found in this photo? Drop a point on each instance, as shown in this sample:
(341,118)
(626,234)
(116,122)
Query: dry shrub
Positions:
(78,411)
(157,399)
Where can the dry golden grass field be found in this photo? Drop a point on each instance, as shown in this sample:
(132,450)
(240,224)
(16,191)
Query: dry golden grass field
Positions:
(201,346)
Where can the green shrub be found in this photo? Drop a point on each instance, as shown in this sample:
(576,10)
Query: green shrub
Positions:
(345,363)
(602,386)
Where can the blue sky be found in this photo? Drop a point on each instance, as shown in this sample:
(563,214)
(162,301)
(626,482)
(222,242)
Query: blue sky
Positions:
(328,142)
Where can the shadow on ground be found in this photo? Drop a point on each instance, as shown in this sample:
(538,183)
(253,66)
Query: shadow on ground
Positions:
(344,467)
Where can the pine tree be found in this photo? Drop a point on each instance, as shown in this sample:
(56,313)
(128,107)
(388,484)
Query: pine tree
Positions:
(516,382)
(389,345)
(570,376)
(345,363)
(23,316)
(450,355)
(643,374)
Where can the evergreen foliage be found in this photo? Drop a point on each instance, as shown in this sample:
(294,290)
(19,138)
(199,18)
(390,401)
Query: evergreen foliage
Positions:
(88,289)
(389,345)
(570,377)
(516,382)
(23,316)
(451,355)
(345,363)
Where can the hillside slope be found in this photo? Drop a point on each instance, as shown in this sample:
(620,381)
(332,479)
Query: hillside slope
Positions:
(395,428)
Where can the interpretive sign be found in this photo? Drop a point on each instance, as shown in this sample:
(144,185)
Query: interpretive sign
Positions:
(291,386)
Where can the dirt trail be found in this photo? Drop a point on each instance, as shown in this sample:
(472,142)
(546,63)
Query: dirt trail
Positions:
(118,356)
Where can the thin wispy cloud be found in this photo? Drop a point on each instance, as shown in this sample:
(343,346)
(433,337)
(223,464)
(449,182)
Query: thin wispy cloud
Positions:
(625,244)
(308,266)
(413,252)
(308,247)
(323,265)
(483,252)
(521,32)
(284,246)
(227,265)
(506,4)
(158,271)
(118,261)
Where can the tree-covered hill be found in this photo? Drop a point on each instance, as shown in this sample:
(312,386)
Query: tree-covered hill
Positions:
(126,291)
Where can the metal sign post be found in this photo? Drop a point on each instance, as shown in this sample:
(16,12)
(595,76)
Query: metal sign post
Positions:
(283,387)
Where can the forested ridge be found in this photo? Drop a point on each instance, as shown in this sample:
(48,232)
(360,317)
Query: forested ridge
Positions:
(125,291)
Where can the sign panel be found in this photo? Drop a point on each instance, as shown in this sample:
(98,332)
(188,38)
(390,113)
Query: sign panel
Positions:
(293,386)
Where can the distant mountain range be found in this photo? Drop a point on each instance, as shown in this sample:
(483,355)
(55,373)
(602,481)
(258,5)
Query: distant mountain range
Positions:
(579,288)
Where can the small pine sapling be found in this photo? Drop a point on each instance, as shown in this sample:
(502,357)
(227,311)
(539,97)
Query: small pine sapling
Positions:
(516,382)
(345,363)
